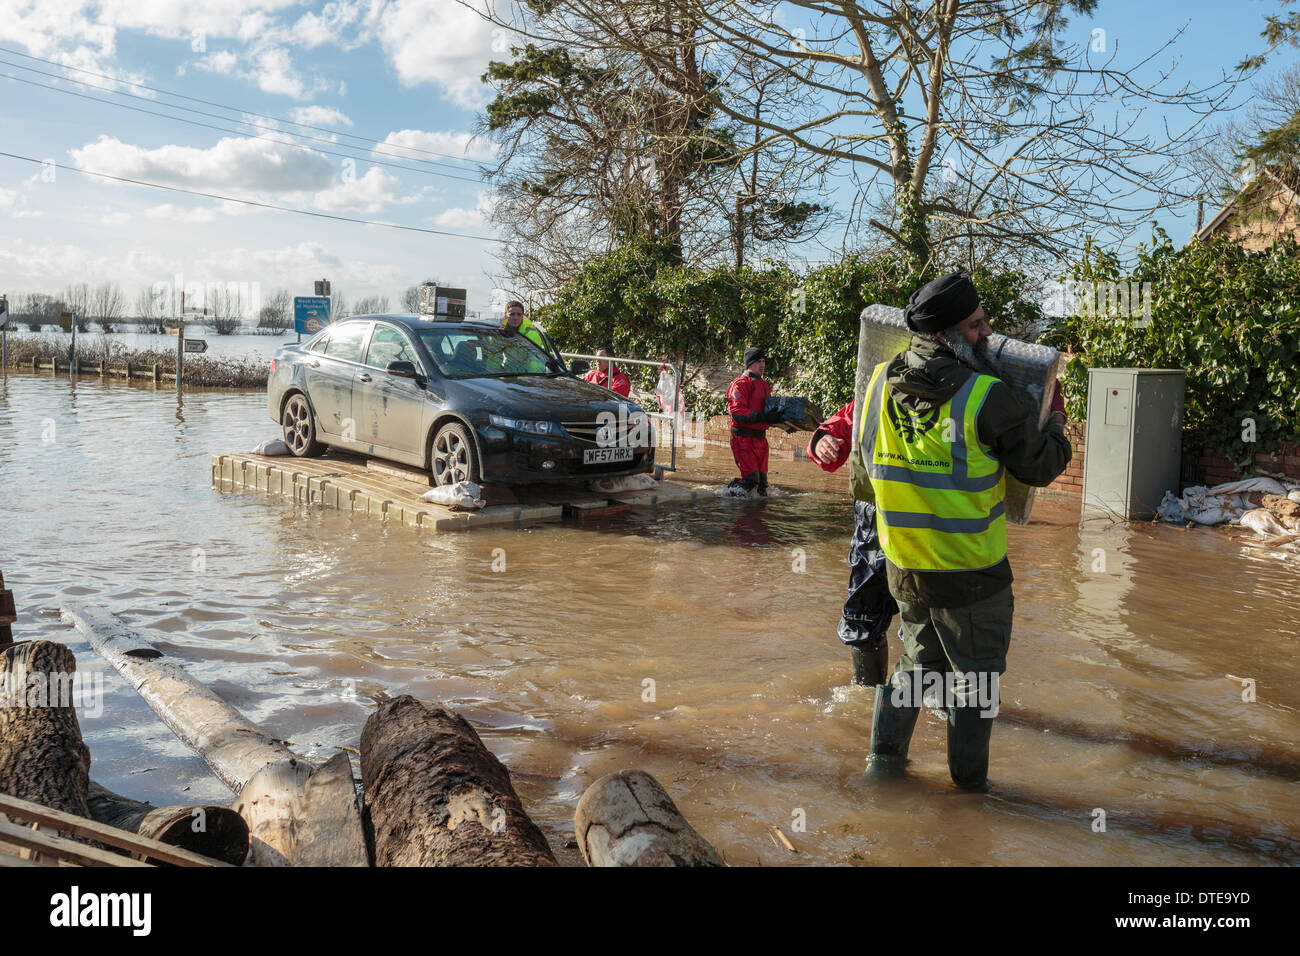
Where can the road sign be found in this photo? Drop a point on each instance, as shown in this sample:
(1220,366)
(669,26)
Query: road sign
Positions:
(323,287)
(65,321)
(4,313)
(196,345)
(311,313)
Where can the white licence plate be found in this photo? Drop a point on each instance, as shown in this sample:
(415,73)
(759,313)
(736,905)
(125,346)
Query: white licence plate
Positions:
(603,456)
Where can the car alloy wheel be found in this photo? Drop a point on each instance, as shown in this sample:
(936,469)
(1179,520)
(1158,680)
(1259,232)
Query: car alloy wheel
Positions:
(299,429)
(452,459)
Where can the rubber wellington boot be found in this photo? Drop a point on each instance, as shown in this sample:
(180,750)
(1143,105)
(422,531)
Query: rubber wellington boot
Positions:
(891,733)
(870,664)
(762,484)
(968,748)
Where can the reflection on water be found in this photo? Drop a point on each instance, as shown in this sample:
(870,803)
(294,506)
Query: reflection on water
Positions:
(698,645)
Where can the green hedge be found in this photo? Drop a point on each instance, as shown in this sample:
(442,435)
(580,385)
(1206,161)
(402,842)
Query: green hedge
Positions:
(1229,317)
(635,300)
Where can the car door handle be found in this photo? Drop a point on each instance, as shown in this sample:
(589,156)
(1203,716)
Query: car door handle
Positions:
(314,363)
(364,376)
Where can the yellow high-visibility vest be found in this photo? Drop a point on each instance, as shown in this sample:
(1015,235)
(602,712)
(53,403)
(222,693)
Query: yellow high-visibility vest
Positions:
(531,332)
(940,494)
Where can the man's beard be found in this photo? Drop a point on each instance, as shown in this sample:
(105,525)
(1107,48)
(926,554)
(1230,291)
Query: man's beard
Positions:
(976,356)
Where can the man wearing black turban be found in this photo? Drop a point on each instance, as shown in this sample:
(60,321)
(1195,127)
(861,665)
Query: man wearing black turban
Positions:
(940,428)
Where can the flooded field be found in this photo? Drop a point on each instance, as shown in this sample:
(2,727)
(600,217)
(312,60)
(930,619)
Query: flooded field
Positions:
(697,644)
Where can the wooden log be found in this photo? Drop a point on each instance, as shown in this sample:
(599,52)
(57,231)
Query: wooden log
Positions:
(435,796)
(282,815)
(300,817)
(628,819)
(233,746)
(42,755)
(217,832)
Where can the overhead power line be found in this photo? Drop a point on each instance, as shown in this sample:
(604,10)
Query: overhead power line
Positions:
(251,202)
(234,109)
(217,116)
(223,129)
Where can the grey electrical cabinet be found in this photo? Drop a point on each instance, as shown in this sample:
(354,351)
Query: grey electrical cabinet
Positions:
(1134,446)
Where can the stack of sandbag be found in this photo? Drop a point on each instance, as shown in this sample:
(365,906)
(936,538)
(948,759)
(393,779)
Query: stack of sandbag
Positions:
(1265,505)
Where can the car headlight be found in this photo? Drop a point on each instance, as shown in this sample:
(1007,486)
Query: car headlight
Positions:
(522,425)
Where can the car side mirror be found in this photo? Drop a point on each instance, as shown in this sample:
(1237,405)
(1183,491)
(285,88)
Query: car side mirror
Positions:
(405,370)
(579,367)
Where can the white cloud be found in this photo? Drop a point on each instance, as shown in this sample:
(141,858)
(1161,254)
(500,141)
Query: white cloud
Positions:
(450,143)
(273,71)
(319,116)
(245,163)
(445,44)
(222,61)
(368,193)
(177,214)
(476,218)
(8,197)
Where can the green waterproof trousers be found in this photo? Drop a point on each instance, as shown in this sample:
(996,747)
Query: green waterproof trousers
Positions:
(970,643)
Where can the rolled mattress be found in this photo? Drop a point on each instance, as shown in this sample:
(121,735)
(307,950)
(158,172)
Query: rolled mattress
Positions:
(1029,369)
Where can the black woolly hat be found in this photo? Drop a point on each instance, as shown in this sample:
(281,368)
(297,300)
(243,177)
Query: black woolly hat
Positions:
(941,304)
(753,354)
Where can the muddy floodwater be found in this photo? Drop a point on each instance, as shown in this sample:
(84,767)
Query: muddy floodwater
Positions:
(696,644)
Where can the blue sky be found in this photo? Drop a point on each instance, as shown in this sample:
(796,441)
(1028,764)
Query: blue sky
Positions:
(403,73)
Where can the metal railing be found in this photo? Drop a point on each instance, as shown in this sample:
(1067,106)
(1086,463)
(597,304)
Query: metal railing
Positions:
(677,391)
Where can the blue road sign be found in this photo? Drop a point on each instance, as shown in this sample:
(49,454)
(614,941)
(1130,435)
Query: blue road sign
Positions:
(311,313)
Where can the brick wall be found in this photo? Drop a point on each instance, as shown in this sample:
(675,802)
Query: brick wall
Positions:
(1202,467)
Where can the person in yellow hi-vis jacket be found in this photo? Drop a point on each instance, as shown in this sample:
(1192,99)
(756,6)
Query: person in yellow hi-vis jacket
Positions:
(937,432)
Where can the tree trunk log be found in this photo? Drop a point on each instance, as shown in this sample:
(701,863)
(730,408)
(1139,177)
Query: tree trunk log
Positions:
(42,755)
(271,781)
(212,831)
(303,817)
(628,819)
(435,796)
(233,746)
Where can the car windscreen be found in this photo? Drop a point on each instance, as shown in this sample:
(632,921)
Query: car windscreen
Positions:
(482,353)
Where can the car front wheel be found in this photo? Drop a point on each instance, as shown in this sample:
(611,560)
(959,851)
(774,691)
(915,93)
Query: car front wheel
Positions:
(452,458)
(299,428)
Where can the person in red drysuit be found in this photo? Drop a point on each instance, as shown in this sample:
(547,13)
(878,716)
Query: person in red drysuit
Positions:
(745,398)
(607,375)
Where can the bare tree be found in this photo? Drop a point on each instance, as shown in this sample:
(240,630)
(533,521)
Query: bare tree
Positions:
(277,314)
(1262,141)
(959,122)
(151,307)
(338,307)
(107,305)
(226,307)
(371,305)
(77,298)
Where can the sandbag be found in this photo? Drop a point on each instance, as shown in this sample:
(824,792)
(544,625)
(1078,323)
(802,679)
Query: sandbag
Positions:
(1263,522)
(638,482)
(1029,369)
(462,496)
(1269,486)
(272,448)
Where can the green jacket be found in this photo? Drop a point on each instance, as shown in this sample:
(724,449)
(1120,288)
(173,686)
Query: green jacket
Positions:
(922,378)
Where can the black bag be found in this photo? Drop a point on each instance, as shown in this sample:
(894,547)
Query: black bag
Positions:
(791,413)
